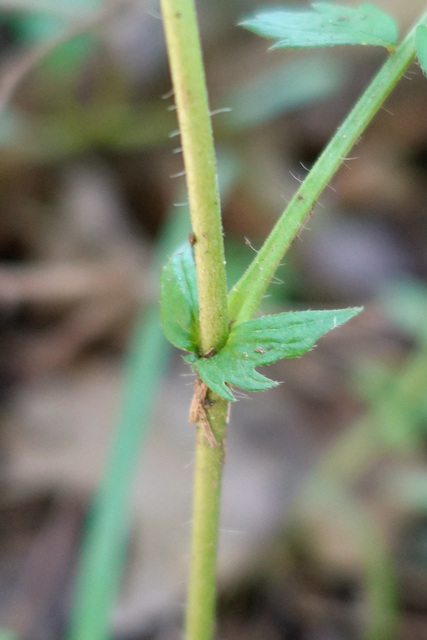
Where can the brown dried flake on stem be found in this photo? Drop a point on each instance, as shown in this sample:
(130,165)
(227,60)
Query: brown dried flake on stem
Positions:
(198,410)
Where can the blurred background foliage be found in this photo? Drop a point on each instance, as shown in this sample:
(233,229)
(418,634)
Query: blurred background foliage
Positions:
(325,495)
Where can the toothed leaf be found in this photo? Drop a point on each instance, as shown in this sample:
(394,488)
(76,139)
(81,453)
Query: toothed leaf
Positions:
(421,46)
(326,26)
(179,300)
(263,341)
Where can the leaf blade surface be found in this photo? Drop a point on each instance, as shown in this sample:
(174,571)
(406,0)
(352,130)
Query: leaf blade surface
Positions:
(421,46)
(262,341)
(326,25)
(180,301)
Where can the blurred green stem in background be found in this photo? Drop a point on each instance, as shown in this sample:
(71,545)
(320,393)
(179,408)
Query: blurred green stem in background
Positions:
(105,541)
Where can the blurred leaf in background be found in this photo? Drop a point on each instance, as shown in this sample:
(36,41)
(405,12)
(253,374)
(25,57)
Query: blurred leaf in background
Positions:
(42,21)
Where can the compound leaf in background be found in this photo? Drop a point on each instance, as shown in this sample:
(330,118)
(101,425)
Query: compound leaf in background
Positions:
(326,26)
(180,301)
(263,341)
(421,46)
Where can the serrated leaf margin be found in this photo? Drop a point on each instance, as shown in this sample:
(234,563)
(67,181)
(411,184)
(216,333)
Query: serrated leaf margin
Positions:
(325,8)
(262,341)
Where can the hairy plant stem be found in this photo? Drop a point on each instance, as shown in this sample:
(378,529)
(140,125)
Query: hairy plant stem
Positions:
(209,462)
(247,294)
(186,64)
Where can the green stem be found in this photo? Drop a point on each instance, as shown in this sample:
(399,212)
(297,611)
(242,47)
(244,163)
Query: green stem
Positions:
(186,64)
(209,462)
(247,294)
(185,59)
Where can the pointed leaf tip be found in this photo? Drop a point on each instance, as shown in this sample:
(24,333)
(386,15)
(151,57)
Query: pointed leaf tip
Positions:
(263,341)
